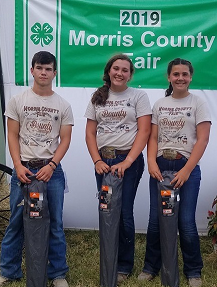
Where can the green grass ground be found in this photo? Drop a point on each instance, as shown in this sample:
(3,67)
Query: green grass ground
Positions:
(83,261)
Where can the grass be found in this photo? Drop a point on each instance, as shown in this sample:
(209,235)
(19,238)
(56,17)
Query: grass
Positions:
(83,261)
(83,257)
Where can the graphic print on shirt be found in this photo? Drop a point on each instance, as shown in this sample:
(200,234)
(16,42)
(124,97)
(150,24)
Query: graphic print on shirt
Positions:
(172,121)
(113,115)
(39,124)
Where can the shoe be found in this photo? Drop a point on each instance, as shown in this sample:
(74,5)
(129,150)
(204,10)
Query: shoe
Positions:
(59,282)
(146,276)
(3,280)
(195,282)
(121,277)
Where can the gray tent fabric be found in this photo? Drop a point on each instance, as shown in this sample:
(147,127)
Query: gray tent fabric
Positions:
(110,201)
(168,203)
(36,221)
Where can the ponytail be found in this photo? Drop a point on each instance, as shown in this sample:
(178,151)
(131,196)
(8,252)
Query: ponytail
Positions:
(169,90)
(100,95)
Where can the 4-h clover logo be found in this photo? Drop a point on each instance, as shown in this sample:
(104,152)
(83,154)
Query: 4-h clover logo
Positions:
(41,34)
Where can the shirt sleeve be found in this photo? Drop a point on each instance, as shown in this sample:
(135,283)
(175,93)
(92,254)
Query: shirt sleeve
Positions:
(68,118)
(202,112)
(11,110)
(90,112)
(143,106)
(154,119)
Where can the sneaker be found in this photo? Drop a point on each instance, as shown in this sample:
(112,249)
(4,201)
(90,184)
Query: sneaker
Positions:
(59,282)
(146,276)
(195,282)
(121,277)
(3,280)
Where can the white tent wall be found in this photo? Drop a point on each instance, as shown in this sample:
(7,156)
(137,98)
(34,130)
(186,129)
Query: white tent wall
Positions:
(80,207)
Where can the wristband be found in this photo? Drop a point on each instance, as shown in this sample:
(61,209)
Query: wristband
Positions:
(54,163)
(51,166)
(97,161)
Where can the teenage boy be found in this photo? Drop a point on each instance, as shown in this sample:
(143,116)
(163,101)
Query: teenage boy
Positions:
(39,133)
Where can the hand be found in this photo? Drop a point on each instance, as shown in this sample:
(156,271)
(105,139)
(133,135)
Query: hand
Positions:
(154,171)
(180,178)
(22,173)
(121,167)
(45,173)
(101,167)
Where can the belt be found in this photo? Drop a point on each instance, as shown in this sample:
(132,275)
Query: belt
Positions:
(36,163)
(171,154)
(110,152)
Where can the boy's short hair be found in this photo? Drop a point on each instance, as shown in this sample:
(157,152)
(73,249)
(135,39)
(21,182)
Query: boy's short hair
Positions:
(44,57)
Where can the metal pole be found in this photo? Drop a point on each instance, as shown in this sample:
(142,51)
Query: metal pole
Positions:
(2,95)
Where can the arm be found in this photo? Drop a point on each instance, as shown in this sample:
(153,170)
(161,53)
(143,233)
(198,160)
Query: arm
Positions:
(144,129)
(100,166)
(46,172)
(14,148)
(152,149)
(203,130)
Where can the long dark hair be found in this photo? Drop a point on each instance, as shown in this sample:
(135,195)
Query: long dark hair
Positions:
(101,94)
(174,62)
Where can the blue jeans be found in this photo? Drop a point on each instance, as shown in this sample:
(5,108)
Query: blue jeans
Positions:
(189,239)
(131,180)
(12,244)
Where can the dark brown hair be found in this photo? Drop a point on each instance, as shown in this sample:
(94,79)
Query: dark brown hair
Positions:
(177,61)
(101,94)
(43,58)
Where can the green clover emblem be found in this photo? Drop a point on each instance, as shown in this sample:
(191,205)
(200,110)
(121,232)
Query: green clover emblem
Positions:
(41,34)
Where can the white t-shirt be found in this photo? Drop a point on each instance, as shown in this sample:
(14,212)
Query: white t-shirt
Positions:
(117,120)
(40,119)
(177,120)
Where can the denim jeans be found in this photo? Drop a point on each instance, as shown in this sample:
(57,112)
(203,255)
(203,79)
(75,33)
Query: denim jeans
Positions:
(131,180)
(189,239)
(12,244)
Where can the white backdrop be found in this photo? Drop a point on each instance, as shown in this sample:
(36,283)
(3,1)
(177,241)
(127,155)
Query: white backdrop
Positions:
(80,207)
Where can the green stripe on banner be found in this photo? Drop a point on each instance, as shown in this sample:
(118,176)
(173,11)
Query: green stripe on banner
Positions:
(26,59)
(19,68)
(152,33)
(58,23)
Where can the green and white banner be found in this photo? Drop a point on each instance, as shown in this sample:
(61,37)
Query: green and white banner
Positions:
(84,34)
